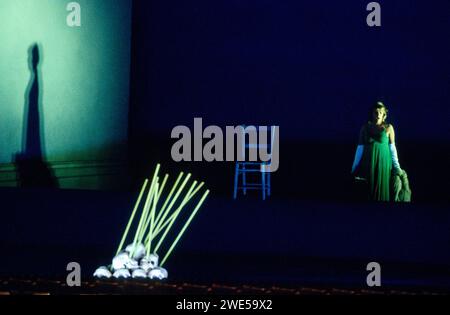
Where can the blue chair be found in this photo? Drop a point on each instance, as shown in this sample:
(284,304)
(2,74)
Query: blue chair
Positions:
(243,167)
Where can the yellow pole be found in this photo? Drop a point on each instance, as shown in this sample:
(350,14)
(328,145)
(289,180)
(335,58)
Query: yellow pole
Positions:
(124,236)
(145,210)
(185,227)
(174,214)
(173,200)
(147,223)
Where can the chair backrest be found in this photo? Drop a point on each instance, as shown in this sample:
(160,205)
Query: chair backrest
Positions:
(256,145)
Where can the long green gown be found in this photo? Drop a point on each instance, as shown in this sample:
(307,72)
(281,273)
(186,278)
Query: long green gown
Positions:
(376,164)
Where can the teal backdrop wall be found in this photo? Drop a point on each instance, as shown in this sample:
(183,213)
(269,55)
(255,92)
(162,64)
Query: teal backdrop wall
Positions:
(83,88)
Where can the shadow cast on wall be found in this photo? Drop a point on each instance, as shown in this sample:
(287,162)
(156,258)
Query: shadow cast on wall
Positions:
(32,169)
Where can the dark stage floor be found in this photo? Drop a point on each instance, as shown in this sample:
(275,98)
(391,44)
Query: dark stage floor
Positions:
(290,244)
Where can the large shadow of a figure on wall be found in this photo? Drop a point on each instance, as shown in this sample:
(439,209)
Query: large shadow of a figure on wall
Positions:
(32,169)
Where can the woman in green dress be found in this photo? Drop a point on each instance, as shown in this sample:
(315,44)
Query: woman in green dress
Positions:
(376,155)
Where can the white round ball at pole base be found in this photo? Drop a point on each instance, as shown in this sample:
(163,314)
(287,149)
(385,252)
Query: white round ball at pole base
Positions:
(154,260)
(139,251)
(149,262)
(120,261)
(132,264)
(102,272)
(145,264)
(122,273)
(139,274)
(158,273)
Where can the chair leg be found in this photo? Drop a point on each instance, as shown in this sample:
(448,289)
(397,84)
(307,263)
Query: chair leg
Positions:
(244,180)
(263,177)
(236,181)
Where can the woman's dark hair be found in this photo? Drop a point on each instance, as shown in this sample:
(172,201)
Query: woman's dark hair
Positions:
(377,105)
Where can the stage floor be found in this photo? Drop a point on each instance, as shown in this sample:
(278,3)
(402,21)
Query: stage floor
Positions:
(291,244)
(39,286)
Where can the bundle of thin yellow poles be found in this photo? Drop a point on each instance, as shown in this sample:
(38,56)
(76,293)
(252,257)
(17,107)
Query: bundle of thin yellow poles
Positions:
(158,213)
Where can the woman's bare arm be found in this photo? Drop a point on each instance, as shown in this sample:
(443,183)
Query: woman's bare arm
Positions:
(391,134)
